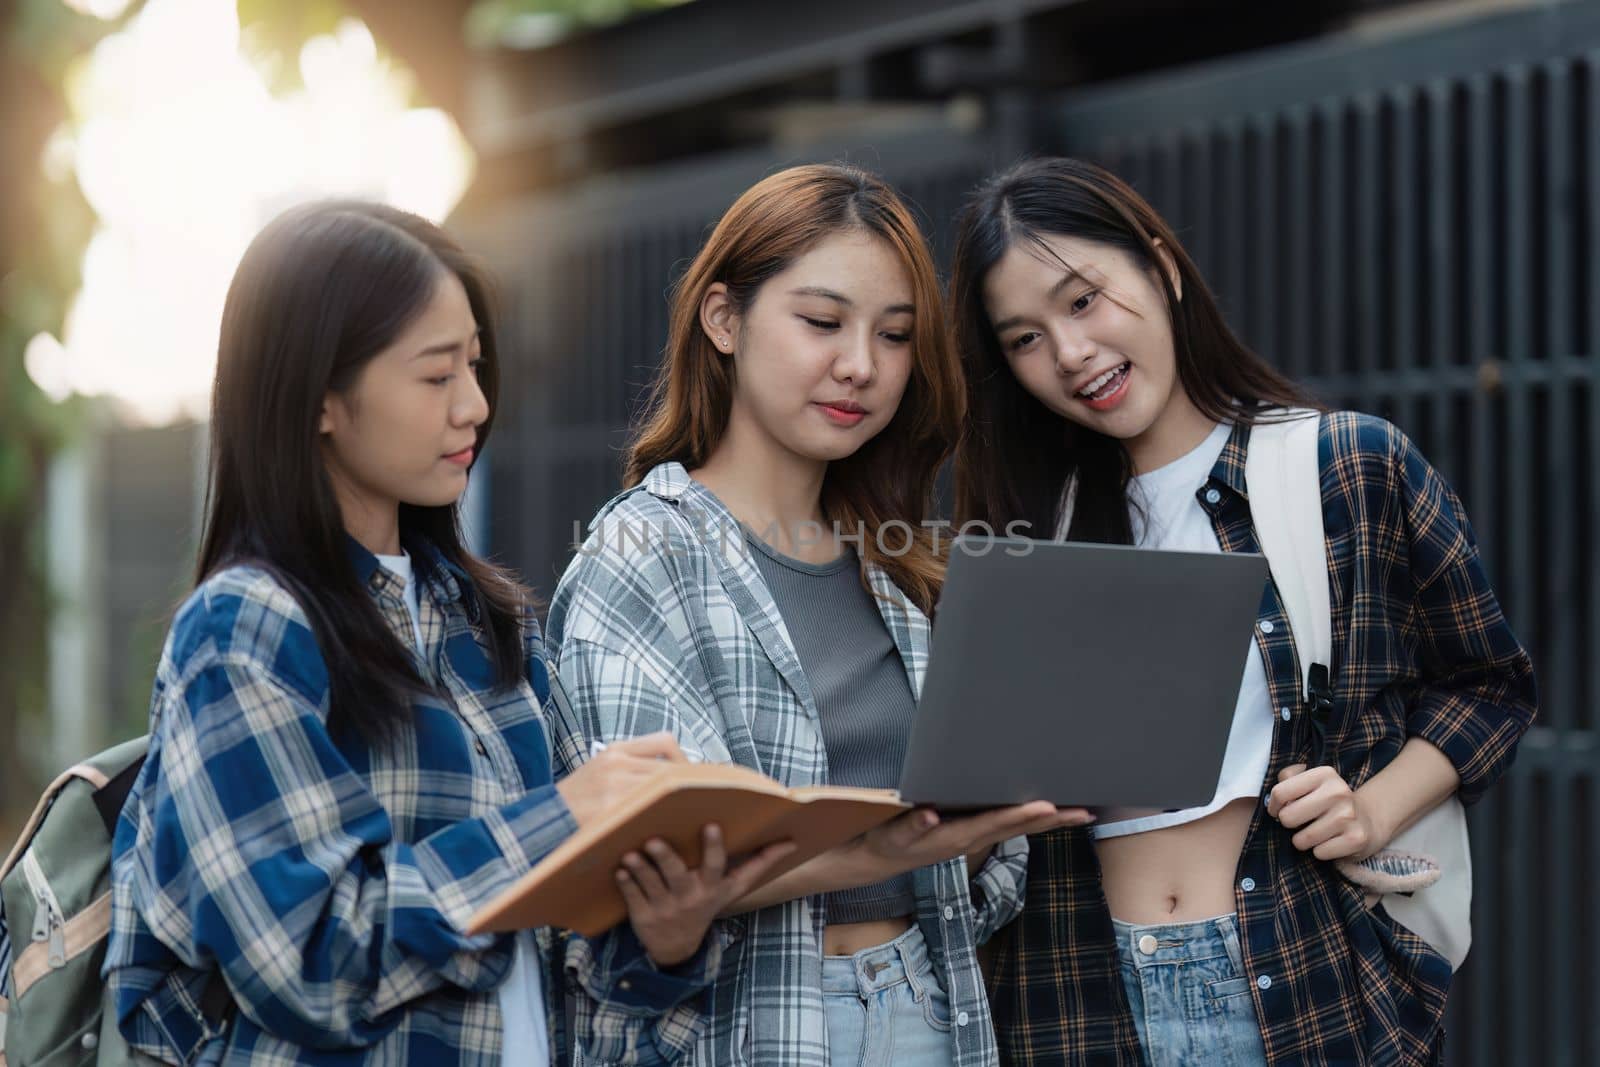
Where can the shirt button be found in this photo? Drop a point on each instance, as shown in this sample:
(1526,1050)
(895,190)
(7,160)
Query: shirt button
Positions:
(963,1019)
(1266,626)
(90,1041)
(1248,885)
(949,913)
(1285,714)
(477,743)
(1264,982)
(1212,496)
(1147,945)
(624,985)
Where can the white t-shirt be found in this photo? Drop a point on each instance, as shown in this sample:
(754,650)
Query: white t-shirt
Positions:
(1170,516)
(526,1040)
(400,567)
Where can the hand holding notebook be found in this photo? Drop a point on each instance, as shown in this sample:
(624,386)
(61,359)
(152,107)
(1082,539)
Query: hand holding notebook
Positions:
(671,905)
(575,885)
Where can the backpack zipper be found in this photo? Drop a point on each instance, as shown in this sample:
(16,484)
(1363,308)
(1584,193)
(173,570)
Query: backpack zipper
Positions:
(49,924)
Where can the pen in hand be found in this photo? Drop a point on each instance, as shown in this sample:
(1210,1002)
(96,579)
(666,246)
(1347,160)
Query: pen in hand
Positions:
(596,747)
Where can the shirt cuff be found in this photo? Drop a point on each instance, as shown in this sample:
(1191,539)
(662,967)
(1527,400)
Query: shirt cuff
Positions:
(533,826)
(1479,742)
(996,879)
(638,984)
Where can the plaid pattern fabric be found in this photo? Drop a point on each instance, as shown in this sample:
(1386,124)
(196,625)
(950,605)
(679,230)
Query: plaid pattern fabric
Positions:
(5,954)
(327,880)
(1420,649)
(663,622)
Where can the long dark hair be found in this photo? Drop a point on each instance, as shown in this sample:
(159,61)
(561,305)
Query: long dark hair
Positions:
(891,477)
(1016,455)
(322,290)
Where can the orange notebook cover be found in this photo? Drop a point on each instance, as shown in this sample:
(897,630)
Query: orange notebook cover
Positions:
(575,885)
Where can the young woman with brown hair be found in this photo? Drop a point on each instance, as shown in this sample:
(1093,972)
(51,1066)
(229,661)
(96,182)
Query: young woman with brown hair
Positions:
(761,591)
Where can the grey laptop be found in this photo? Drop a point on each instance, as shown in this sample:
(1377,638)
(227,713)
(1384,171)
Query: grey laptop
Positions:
(1091,675)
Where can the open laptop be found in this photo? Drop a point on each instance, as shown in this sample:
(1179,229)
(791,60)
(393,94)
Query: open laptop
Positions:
(1087,675)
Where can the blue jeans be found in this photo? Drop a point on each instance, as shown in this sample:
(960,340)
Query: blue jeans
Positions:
(886,1007)
(1189,994)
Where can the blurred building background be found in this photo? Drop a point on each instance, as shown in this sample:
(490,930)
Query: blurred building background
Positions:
(1398,202)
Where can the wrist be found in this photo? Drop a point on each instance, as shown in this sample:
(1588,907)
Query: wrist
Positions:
(565,792)
(976,859)
(859,865)
(1374,812)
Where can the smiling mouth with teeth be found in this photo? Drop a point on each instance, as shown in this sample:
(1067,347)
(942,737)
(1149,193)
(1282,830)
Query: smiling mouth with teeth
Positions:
(1105,385)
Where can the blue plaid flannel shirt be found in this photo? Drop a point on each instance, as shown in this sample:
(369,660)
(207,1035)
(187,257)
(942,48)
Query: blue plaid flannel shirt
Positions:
(330,881)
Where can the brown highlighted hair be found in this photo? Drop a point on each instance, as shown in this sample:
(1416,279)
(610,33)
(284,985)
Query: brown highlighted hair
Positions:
(1016,455)
(891,477)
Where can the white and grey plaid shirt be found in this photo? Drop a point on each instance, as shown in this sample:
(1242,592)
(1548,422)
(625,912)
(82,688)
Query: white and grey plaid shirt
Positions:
(663,622)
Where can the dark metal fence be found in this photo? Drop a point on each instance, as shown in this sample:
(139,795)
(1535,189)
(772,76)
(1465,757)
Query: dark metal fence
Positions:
(1408,224)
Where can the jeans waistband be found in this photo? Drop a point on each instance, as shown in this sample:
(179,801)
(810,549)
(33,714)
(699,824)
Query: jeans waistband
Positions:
(1166,943)
(873,969)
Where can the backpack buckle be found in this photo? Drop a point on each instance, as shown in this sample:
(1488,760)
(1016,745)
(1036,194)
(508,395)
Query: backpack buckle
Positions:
(1319,712)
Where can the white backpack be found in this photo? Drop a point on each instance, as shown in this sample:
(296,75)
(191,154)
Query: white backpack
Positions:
(1431,859)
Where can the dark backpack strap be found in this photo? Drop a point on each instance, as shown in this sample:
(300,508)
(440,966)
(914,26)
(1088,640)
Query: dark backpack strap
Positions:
(109,798)
(1319,714)
(215,1003)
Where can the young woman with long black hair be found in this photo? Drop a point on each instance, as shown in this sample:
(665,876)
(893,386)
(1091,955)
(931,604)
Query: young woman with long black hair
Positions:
(1108,401)
(348,753)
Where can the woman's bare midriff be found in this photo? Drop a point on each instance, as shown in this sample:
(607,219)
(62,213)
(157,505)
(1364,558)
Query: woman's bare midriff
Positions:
(846,939)
(1177,874)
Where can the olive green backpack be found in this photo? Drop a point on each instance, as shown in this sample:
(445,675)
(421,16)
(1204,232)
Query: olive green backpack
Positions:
(55,889)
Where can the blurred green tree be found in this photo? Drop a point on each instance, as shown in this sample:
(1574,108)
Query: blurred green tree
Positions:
(44,227)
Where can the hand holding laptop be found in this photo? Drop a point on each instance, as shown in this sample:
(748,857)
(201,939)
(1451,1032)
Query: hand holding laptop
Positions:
(915,839)
(922,836)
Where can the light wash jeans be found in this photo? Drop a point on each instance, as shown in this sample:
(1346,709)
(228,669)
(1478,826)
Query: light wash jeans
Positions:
(1189,994)
(886,1007)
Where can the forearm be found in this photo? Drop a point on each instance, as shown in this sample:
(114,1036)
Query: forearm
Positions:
(1414,783)
(844,867)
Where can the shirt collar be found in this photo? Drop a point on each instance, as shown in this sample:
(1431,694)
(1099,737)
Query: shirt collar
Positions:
(444,578)
(1228,471)
(669,481)
(369,572)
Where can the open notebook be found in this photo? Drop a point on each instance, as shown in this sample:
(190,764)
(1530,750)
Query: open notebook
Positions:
(574,886)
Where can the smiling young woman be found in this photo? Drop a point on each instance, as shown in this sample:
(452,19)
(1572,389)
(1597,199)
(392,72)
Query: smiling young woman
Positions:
(1108,401)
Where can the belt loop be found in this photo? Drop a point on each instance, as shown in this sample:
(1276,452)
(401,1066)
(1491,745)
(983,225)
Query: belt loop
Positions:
(1232,940)
(909,962)
(913,979)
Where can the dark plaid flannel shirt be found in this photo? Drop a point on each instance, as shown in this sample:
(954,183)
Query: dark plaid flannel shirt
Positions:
(1421,649)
